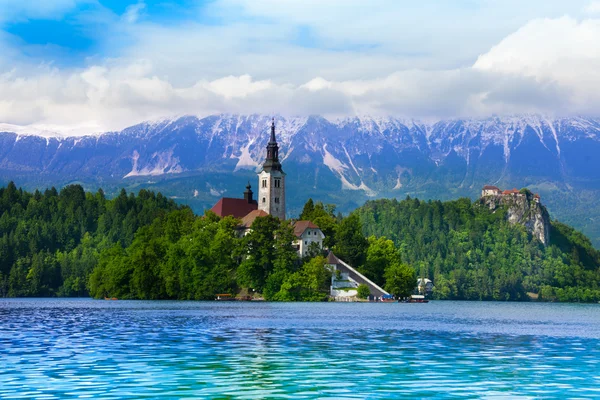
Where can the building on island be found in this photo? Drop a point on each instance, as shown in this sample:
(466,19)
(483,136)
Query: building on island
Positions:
(271,191)
(271,201)
(237,208)
(307,235)
(271,181)
(248,220)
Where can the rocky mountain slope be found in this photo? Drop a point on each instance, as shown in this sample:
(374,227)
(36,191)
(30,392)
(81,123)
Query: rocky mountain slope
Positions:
(522,208)
(344,161)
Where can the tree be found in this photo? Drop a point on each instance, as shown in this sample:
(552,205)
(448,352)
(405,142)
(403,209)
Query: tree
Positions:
(307,210)
(363,291)
(257,263)
(381,253)
(311,283)
(351,245)
(400,280)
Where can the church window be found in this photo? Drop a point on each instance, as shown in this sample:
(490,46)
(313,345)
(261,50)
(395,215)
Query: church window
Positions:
(277,200)
(264,199)
(277,182)
(306,243)
(264,183)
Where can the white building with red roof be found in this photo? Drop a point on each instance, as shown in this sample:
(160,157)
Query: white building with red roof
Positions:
(307,234)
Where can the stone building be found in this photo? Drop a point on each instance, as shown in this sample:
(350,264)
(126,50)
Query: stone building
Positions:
(489,190)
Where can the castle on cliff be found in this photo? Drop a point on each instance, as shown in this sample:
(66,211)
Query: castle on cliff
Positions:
(489,190)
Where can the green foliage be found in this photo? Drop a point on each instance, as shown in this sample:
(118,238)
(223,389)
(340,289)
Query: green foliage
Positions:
(50,242)
(311,283)
(381,253)
(73,243)
(472,253)
(400,280)
(324,217)
(351,244)
(363,291)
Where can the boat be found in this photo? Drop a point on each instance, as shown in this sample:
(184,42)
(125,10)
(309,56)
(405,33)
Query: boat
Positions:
(387,298)
(224,297)
(110,298)
(418,298)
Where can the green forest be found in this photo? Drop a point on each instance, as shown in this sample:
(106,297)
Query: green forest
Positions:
(473,254)
(72,243)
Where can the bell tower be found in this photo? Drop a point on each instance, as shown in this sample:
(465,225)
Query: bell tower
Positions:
(271,181)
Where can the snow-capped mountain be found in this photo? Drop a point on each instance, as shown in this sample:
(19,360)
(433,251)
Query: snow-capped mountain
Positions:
(343,161)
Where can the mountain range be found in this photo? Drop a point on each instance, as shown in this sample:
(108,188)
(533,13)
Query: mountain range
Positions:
(344,162)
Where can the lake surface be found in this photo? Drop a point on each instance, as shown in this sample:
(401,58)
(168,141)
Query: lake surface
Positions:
(59,348)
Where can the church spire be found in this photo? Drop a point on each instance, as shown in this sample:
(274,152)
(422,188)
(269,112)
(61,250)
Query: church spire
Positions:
(272,160)
(273,140)
(271,180)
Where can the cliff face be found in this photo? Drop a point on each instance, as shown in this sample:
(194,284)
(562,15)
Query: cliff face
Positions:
(524,210)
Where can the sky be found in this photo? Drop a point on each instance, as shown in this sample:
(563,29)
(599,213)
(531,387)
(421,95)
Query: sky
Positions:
(96,65)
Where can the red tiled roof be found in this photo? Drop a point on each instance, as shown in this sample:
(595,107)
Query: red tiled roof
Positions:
(537,196)
(237,208)
(248,220)
(301,226)
(513,191)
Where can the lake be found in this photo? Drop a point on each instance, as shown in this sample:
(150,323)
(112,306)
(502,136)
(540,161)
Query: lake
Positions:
(64,348)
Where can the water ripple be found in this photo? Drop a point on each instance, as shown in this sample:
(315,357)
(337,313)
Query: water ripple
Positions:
(126,349)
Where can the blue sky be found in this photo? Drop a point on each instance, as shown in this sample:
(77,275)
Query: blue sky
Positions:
(117,62)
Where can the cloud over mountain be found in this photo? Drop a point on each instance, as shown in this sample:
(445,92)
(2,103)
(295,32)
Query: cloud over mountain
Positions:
(300,58)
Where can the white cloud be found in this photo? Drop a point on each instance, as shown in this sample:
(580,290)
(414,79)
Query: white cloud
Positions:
(250,64)
(25,9)
(133,12)
(592,8)
(562,52)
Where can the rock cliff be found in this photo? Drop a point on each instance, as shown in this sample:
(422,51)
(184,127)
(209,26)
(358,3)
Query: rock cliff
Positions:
(523,209)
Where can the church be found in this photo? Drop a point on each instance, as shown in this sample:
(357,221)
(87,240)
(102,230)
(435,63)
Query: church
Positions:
(270,201)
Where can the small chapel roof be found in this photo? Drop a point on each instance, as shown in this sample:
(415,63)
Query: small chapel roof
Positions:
(237,208)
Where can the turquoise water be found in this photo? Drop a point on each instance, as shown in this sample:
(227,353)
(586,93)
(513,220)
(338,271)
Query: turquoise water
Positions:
(130,349)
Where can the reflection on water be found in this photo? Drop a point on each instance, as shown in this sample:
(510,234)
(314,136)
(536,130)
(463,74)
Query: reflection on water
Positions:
(116,349)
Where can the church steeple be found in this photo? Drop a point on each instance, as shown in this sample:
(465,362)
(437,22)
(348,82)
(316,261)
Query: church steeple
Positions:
(271,180)
(272,160)
(273,140)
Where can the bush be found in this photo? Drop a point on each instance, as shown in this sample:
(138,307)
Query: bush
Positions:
(363,291)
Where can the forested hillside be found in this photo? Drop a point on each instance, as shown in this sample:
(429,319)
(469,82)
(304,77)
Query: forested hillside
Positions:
(472,253)
(72,243)
(51,241)
(145,246)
